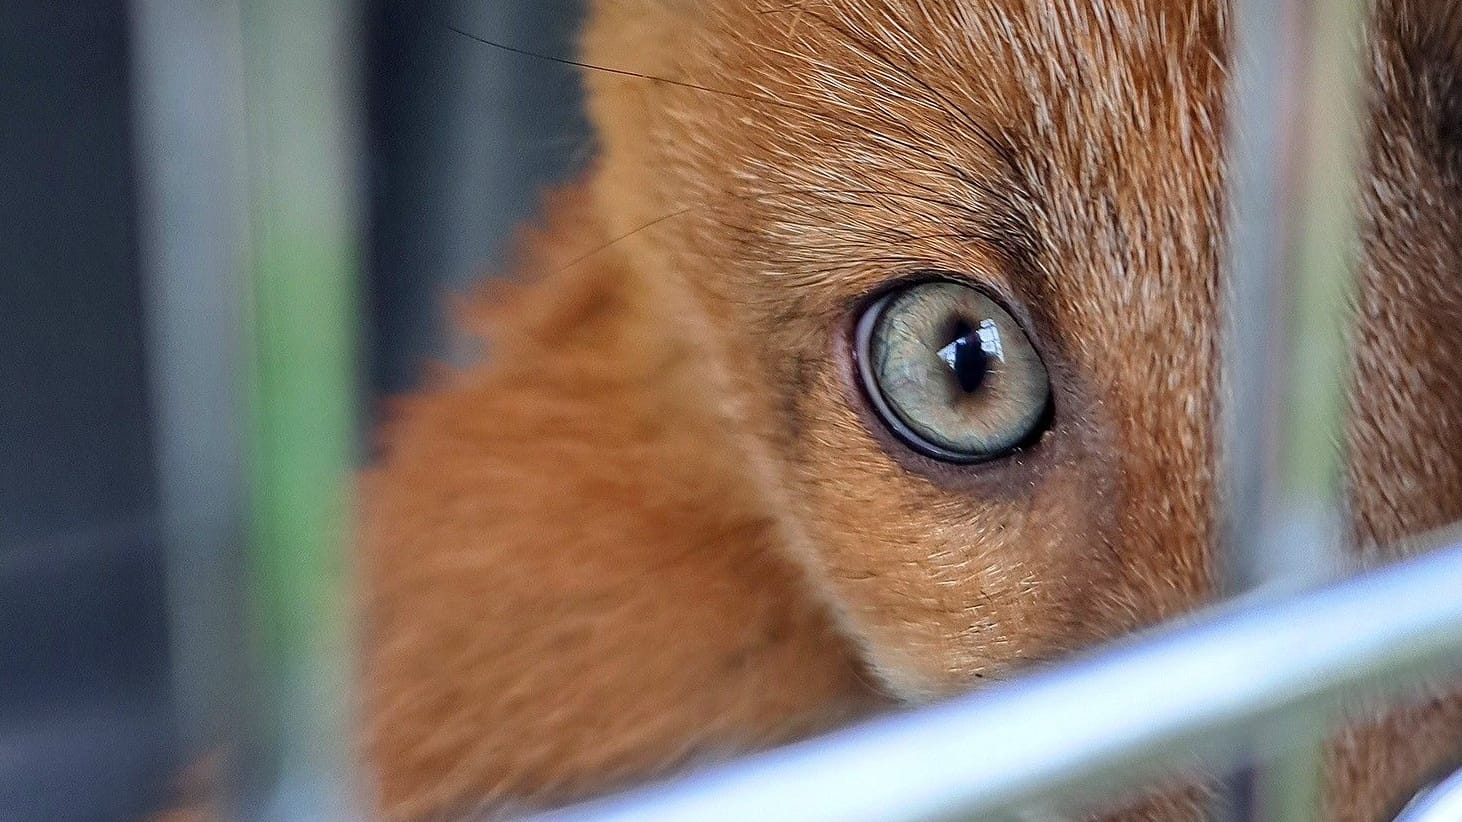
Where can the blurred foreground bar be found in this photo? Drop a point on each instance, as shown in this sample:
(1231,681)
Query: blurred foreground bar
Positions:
(1058,742)
(249,159)
(1295,136)
(300,70)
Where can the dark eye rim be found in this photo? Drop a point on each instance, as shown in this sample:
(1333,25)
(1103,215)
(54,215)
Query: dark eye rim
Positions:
(867,317)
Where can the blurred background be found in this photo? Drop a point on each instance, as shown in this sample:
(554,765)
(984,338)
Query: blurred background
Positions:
(144,162)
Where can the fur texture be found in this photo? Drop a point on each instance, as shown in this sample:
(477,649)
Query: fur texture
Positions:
(659,523)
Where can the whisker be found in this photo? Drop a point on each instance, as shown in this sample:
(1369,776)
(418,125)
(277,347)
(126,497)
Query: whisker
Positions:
(565,61)
(832,196)
(625,236)
(889,131)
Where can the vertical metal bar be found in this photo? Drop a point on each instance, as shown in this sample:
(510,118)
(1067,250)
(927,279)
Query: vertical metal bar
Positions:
(246,150)
(192,184)
(1295,132)
(300,78)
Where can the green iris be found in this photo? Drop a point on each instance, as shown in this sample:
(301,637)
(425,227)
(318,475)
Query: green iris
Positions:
(951,372)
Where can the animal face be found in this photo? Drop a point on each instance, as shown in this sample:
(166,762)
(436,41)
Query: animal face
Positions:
(945,275)
(1051,169)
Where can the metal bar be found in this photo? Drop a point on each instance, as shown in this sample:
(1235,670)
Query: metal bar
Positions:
(1294,137)
(1294,142)
(192,183)
(1442,803)
(299,80)
(1255,260)
(247,153)
(1061,737)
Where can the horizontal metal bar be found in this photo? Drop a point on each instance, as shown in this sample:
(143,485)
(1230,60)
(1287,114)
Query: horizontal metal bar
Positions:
(1145,709)
(1442,803)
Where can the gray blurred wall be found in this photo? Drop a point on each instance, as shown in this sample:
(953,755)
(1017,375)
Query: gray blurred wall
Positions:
(465,136)
(82,617)
(460,137)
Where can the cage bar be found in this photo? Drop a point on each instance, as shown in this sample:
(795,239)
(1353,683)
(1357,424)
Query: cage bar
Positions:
(1086,730)
(299,80)
(1294,137)
(249,171)
(1440,803)
(194,243)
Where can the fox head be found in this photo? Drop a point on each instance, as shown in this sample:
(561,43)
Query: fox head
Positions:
(943,287)
(1050,170)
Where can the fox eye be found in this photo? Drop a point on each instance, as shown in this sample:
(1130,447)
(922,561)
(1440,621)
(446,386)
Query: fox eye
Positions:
(951,372)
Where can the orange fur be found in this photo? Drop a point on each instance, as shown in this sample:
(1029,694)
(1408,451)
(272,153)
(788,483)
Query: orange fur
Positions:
(1405,437)
(572,586)
(658,523)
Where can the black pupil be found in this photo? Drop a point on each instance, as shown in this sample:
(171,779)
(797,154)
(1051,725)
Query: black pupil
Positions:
(969,362)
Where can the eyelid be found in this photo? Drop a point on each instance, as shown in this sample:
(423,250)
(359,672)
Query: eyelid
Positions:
(994,288)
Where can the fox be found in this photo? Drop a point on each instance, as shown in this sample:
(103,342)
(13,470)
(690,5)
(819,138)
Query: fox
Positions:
(874,358)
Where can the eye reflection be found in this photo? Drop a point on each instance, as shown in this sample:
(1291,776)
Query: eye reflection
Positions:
(971,353)
(951,372)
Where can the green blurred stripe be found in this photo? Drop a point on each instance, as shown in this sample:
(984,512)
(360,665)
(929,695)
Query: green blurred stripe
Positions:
(302,387)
